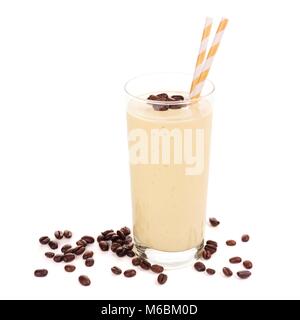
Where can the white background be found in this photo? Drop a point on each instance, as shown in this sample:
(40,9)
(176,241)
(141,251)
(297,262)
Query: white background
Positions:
(63,152)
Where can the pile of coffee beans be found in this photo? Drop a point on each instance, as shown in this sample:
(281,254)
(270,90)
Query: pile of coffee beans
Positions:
(165,97)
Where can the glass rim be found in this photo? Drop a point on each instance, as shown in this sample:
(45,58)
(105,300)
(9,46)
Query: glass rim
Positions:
(157,102)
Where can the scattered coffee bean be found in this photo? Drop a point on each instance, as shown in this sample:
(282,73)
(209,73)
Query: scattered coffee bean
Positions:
(100,238)
(211,242)
(227,272)
(121,235)
(245,238)
(49,254)
(109,235)
(70,250)
(199,266)
(53,245)
(129,273)
(58,258)
(177,97)
(126,231)
(89,262)
(235,260)
(120,241)
(156,268)
(88,239)
(58,234)
(114,237)
(206,255)
(214,222)
(136,261)
(41,273)
(128,240)
(67,234)
(103,245)
(162,278)
(210,271)
(244,274)
(121,252)
(65,248)
(128,246)
(247,264)
(84,280)
(130,253)
(44,240)
(116,270)
(104,233)
(78,250)
(70,267)
(210,248)
(231,243)
(81,243)
(87,255)
(69,257)
(114,246)
(145,265)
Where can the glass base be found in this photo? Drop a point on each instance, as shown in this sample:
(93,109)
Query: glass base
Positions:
(169,260)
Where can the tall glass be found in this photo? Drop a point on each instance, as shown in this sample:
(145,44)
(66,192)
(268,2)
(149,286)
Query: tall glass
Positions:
(169,160)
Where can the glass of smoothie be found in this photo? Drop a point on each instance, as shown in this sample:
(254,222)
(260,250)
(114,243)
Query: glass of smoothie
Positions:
(169,142)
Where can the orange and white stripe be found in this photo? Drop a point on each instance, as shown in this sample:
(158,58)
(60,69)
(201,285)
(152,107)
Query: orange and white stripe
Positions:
(200,79)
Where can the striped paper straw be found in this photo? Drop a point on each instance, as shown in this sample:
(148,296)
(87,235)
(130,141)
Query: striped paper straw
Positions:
(209,60)
(202,51)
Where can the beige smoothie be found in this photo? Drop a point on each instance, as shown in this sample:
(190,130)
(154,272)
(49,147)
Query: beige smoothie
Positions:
(168,189)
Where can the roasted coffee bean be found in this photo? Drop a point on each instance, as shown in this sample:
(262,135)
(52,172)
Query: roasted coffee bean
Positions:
(67,234)
(121,235)
(177,97)
(58,258)
(214,222)
(78,250)
(159,107)
(173,106)
(44,240)
(145,265)
(227,272)
(100,238)
(244,274)
(84,280)
(199,266)
(210,271)
(103,245)
(209,247)
(70,267)
(126,231)
(81,243)
(114,237)
(129,273)
(71,250)
(116,270)
(157,268)
(162,96)
(136,261)
(247,264)
(109,235)
(230,243)
(211,242)
(104,233)
(128,240)
(235,260)
(53,245)
(128,246)
(89,262)
(114,246)
(65,248)
(41,273)
(69,257)
(245,238)
(49,254)
(58,234)
(152,97)
(120,241)
(162,278)
(87,255)
(206,255)
(121,252)
(88,239)
(130,253)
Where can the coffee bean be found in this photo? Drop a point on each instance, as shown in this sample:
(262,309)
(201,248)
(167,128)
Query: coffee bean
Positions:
(114,237)
(100,238)
(121,252)
(162,96)
(156,268)
(126,231)
(199,266)
(115,246)
(128,240)
(120,241)
(231,243)
(67,234)
(129,273)
(81,243)
(210,271)
(44,240)
(121,235)
(174,106)
(128,246)
(84,280)
(177,97)
(70,267)
(159,107)
(136,261)
(152,97)
(88,239)
(214,222)
(116,270)
(206,255)
(41,273)
(103,245)
(209,247)
(89,262)
(227,272)
(53,245)
(244,274)
(214,243)
(70,250)
(162,278)
(68,257)
(49,254)
(58,258)
(104,233)
(130,253)
(58,234)
(109,235)
(245,238)
(87,255)
(78,250)
(247,264)
(235,260)
(65,248)
(145,265)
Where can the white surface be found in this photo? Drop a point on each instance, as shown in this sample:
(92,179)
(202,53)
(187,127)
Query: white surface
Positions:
(63,153)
